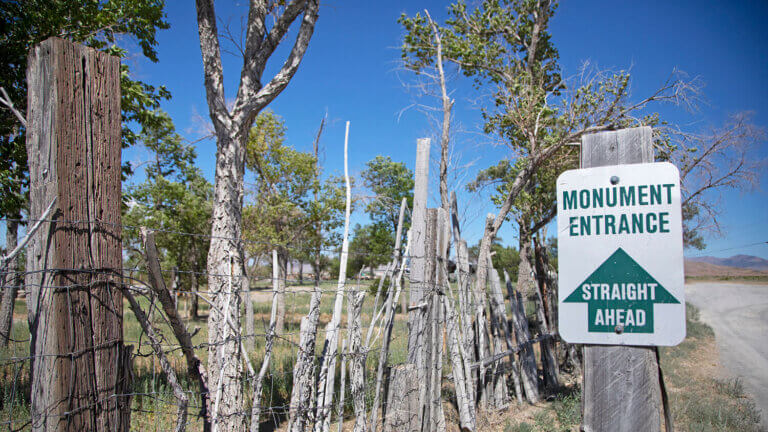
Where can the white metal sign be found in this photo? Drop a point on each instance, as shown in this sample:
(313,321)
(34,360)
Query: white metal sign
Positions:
(620,255)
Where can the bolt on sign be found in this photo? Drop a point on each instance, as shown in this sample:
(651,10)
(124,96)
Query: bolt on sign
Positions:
(620,255)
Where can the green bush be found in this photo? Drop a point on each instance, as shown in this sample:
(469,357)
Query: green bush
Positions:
(373,288)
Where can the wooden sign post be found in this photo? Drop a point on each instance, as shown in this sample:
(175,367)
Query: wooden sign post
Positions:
(621,390)
(74,265)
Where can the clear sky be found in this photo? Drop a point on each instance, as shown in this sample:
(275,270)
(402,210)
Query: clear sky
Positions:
(351,72)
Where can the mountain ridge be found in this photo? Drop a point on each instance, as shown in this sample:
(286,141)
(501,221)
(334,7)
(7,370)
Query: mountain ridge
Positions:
(739,261)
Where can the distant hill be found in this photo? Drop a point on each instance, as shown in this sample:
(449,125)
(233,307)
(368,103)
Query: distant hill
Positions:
(739,261)
(705,269)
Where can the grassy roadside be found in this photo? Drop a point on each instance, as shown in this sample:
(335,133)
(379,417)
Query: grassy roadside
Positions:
(700,398)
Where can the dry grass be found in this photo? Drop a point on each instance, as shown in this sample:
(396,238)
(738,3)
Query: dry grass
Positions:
(701,400)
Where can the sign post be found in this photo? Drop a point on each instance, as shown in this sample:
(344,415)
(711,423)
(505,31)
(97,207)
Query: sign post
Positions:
(621,275)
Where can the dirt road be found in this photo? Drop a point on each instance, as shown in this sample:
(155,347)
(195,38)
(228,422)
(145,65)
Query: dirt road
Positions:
(738,312)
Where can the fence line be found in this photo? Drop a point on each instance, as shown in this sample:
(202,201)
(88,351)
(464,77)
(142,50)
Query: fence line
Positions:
(13,393)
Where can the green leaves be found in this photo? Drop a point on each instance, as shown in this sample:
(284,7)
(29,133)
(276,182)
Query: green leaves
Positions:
(291,206)
(174,196)
(101,24)
(390,182)
(371,246)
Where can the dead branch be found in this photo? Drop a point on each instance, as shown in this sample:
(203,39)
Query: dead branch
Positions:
(195,367)
(154,341)
(6,100)
(23,243)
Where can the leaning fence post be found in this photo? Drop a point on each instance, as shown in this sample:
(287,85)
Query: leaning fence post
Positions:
(621,383)
(73,147)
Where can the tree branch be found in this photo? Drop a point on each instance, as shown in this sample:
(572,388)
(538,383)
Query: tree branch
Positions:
(154,341)
(246,106)
(6,100)
(23,243)
(214,75)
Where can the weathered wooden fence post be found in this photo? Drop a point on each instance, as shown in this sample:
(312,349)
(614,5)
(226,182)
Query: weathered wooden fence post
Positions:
(74,265)
(621,383)
(419,312)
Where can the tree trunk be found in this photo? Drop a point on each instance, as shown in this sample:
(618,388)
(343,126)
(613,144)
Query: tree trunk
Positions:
(481,320)
(226,231)
(549,362)
(282,266)
(525,281)
(528,369)
(175,287)
(249,330)
(194,314)
(10,284)
(501,339)
(301,272)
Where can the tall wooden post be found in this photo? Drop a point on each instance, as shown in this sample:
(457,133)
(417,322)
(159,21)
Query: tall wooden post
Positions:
(74,265)
(621,383)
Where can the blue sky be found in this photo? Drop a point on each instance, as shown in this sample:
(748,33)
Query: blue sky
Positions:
(351,72)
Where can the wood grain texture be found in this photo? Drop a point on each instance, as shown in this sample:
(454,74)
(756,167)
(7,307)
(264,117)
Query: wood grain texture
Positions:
(304,369)
(74,148)
(402,407)
(357,357)
(621,383)
(418,248)
(528,370)
(502,339)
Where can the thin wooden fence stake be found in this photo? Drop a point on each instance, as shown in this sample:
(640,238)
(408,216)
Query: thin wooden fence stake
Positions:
(388,325)
(327,373)
(170,373)
(529,374)
(303,370)
(195,367)
(356,358)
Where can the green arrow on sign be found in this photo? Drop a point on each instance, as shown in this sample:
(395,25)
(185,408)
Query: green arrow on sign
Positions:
(620,293)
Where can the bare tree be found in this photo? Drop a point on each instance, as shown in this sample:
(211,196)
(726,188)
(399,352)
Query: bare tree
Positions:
(710,163)
(231,127)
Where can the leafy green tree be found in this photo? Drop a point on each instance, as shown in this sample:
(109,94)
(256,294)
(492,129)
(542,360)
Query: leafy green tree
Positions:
(292,210)
(284,181)
(390,182)
(371,246)
(504,257)
(175,197)
(98,24)
(325,215)
(505,46)
(533,208)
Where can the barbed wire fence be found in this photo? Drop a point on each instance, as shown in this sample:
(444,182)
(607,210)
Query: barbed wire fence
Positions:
(163,393)
(100,342)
